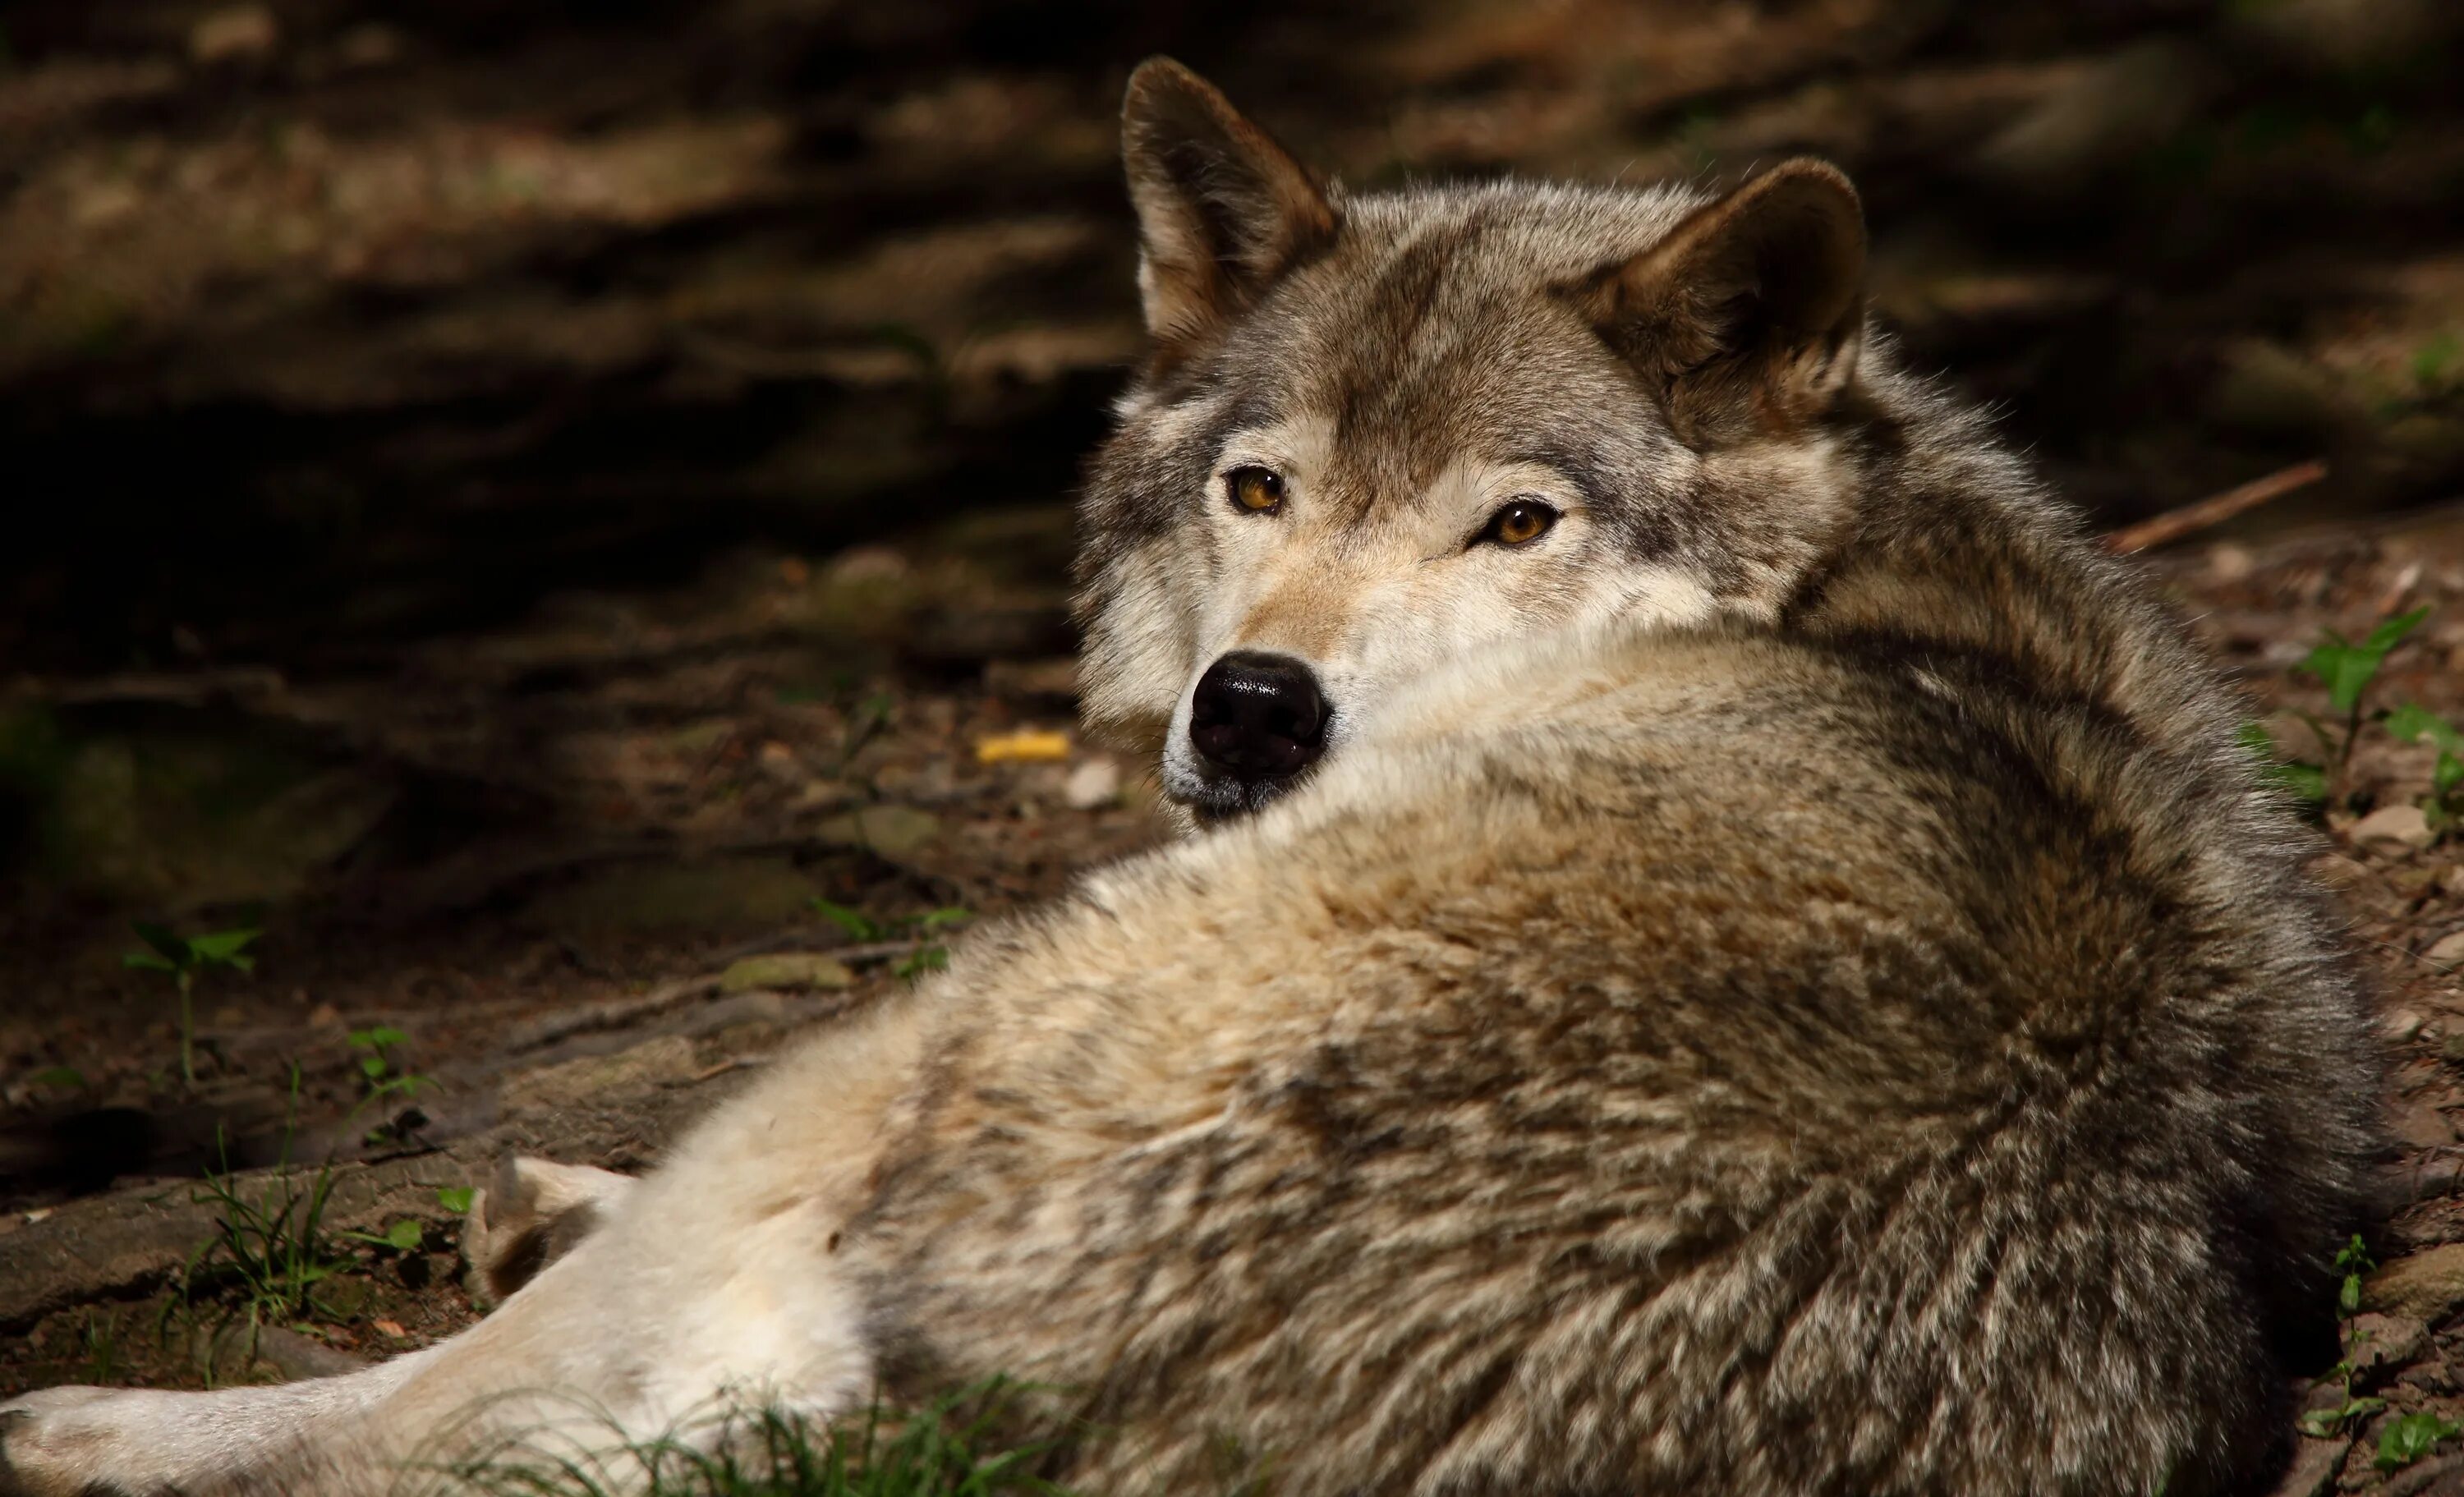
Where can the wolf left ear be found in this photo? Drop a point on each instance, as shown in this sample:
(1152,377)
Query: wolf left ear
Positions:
(1748,315)
(1222,209)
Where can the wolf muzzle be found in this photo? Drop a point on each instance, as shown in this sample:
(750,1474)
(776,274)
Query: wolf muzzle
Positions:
(1257,717)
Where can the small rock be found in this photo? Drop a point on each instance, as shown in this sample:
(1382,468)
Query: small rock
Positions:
(2448,951)
(2402,1025)
(2435,1476)
(790,969)
(295,1356)
(240,33)
(1055,677)
(2420,1122)
(866,563)
(2411,883)
(666,1061)
(779,762)
(1094,784)
(2267,387)
(2228,563)
(890,831)
(2392,827)
(2314,1467)
(2338,871)
(2109,112)
(703,737)
(370,46)
(2427,1285)
(2383,1344)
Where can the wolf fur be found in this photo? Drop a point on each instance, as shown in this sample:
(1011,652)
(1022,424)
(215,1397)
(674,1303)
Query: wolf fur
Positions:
(1783,983)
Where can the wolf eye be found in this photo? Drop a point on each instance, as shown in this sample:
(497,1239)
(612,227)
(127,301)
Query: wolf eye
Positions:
(1519,523)
(1254,490)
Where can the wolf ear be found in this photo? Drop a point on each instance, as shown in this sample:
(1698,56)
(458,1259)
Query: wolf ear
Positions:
(1748,315)
(1222,209)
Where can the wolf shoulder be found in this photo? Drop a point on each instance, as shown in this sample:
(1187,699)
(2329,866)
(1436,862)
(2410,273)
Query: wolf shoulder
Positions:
(1663,802)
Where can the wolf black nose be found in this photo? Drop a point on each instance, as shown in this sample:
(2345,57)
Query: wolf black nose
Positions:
(1258,716)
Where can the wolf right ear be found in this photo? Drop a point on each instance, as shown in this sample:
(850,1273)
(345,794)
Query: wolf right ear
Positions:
(1749,312)
(1222,209)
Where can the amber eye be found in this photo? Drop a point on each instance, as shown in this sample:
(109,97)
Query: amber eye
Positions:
(1254,490)
(1519,523)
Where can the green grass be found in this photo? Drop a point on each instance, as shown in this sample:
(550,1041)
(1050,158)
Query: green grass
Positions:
(948,1451)
(929,956)
(269,1257)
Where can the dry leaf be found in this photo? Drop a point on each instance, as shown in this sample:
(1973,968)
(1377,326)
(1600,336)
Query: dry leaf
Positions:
(1026,746)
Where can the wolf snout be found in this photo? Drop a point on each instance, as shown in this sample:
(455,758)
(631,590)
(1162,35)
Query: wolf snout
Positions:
(1258,716)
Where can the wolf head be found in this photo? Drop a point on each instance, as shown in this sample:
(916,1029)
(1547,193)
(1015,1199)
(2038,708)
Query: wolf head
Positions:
(1375,431)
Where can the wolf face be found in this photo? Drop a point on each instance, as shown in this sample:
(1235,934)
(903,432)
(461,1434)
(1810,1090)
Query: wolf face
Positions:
(1377,430)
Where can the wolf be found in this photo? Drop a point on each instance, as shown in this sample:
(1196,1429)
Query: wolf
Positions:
(1721,946)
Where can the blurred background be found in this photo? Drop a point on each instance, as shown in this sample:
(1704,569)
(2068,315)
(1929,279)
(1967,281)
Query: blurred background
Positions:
(324,323)
(513,502)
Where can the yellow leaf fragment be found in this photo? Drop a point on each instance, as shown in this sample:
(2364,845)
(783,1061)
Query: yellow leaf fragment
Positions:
(1025,746)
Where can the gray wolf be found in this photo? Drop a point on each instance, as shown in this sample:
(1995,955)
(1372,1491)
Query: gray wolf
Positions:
(1723,947)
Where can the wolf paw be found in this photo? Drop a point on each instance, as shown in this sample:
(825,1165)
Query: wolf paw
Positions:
(59,1442)
(531,1215)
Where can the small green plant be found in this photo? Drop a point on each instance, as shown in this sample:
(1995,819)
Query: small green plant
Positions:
(2409,1437)
(2304,783)
(2414,723)
(2346,670)
(455,1198)
(2349,670)
(866,722)
(182,958)
(947,1450)
(60,1078)
(919,962)
(2436,361)
(100,1338)
(386,1078)
(403,1237)
(2352,1261)
(929,956)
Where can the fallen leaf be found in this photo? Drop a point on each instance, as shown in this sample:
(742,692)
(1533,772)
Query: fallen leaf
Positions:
(2393,825)
(1025,746)
(390,1329)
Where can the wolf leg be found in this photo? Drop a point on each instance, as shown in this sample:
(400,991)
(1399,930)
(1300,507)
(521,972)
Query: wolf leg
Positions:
(65,1442)
(531,1215)
(712,1287)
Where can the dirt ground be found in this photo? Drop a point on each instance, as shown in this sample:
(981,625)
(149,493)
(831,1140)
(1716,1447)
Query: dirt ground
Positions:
(551,515)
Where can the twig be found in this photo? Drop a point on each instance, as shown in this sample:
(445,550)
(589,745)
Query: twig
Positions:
(623,1012)
(829,943)
(614,1014)
(2173,525)
(182,689)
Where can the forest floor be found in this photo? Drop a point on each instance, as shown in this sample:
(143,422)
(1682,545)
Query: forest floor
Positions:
(554,517)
